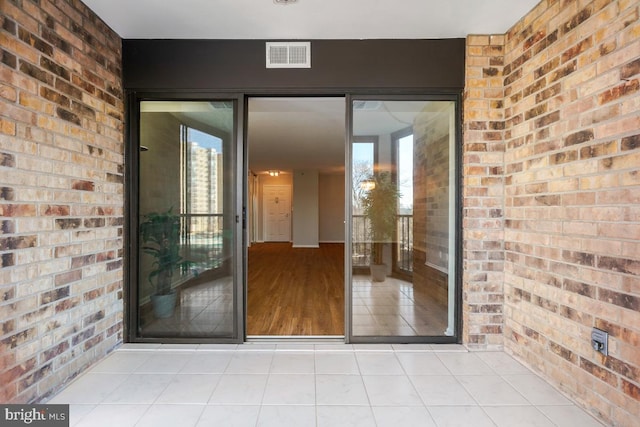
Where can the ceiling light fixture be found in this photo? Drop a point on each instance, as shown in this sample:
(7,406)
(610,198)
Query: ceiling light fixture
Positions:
(367,184)
(284,2)
(274,173)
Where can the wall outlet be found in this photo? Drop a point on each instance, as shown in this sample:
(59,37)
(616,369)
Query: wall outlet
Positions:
(600,341)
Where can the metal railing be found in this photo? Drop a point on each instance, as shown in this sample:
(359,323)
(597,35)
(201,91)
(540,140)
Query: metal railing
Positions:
(201,239)
(203,244)
(404,244)
(361,242)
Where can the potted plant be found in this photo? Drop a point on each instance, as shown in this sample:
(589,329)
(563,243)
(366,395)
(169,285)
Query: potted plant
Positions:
(160,234)
(380,206)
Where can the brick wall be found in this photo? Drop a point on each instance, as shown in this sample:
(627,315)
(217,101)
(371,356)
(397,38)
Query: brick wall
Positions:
(571,75)
(483,193)
(61,194)
(431,204)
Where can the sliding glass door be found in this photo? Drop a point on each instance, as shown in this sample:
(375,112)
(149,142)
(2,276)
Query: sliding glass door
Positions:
(403,220)
(186,221)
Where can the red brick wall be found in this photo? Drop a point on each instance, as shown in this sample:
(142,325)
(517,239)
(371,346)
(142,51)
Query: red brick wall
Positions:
(571,180)
(61,194)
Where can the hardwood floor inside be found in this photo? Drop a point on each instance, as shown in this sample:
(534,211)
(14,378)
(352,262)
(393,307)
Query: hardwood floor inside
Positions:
(295,291)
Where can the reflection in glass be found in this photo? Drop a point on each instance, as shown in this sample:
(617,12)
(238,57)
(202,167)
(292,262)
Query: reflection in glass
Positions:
(363,153)
(403,248)
(403,219)
(185,274)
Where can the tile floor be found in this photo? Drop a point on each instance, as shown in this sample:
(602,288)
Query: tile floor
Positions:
(204,310)
(314,385)
(395,308)
(392,308)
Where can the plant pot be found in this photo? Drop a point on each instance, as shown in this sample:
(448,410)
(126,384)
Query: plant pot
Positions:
(163,305)
(378,272)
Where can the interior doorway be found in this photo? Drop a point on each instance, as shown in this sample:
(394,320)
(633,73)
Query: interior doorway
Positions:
(295,207)
(276,202)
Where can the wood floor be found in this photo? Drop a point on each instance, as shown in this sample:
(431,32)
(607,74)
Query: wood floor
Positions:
(295,291)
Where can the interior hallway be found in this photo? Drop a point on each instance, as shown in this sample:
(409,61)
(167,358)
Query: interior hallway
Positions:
(314,385)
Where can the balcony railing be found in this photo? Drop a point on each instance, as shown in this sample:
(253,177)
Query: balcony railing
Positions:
(361,243)
(203,244)
(404,244)
(202,239)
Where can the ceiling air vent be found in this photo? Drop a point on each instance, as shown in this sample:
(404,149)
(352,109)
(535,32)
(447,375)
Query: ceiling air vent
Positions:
(288,54)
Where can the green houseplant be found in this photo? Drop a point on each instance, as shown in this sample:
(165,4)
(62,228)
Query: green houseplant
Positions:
(380,206)
(160,234)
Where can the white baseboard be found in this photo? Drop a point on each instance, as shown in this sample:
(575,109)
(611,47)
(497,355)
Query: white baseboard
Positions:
(306,246)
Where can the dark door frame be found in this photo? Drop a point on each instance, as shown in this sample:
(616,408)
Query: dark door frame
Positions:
(410,95)
(132,189)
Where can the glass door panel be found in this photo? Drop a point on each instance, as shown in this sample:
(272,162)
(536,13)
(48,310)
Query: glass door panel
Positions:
(364,156)
(187,220)
(402,221)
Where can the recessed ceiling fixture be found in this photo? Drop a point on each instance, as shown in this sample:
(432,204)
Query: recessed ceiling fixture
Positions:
(274,172)
(285,2)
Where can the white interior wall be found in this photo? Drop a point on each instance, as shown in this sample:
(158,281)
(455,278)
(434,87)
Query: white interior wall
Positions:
(331,204)
(305,209)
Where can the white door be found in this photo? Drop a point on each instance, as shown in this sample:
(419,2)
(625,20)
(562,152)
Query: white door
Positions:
(277,213)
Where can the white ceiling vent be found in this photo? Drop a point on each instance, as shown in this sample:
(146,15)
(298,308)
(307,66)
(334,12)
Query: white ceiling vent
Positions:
(288,54)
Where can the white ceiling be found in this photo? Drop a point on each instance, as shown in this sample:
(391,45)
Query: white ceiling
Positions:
(290,133)
(296,133)
(309,19)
